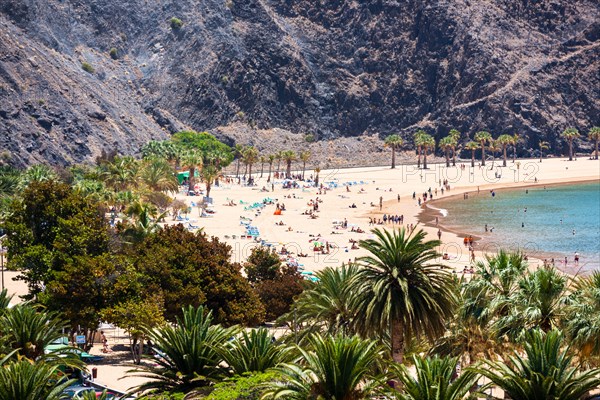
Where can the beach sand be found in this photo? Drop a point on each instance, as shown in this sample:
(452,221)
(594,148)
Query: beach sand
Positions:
(299,231)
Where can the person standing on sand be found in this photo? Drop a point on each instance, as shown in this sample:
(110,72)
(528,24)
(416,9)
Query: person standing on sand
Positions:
(380,202)
(439,233)
(576,258)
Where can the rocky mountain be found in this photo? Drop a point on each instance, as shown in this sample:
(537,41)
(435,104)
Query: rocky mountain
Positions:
(81,76)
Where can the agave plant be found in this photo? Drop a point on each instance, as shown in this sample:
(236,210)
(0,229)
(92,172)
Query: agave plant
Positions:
(190,353)
(546,371)
(330,368)
(434,379)
(252,352)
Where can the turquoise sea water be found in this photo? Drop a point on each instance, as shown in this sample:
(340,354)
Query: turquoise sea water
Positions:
(544,221)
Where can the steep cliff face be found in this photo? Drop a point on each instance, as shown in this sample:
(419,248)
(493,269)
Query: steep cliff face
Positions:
(330,67)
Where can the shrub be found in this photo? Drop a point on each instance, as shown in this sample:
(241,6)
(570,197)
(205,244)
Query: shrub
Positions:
(114,54)
(176,23)
(309,137)
(87,67)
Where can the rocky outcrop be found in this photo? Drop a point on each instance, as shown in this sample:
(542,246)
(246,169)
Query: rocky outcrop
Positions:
(330,68)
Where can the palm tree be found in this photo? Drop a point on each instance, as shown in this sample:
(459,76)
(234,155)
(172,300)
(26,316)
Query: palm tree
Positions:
(317,170)
(24,380)
(394,142)
(515,142)
(209,174)
(543,146)
(252,352)
(546,371)
(192,159)
(538,303)
(582,322)
(330,368)
(570,134)
(326,306)
(121,173)
(504,141)
(271,158)
(192,353)
(455,135)
(483,137)
(279,157)
(304,156)
(288,156)
(250,157)
(472,146)
(28,330)
(238,152)
(417,138)
(494,147)
(36,173)
(427,142)
(398,291)
(263,160)
(157,174)
(447,144)
(594,134)
(434,379)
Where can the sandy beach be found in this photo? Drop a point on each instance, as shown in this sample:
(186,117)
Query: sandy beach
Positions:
(354,196)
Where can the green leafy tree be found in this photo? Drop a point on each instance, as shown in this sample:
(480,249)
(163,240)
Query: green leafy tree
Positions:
(483,137)
(399,290)
(157,175)
(570,134)
(191,269)
(35,174)
(120,174)
(394,142)
(250,158)
(418,142)
(136,316)
(434,379)
(271,160)
(330,368)
(191,353)
(594,134)
(49,227)
(546,371)
(209,174)
(247,387)
(276,285)
(238,150)
(192,159)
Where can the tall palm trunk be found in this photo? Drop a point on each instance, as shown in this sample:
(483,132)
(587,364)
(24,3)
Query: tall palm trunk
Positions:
(393,157)
(397,341)
(514,152)
(447,158)
(270,168)
(303,169)
(504,154)
(249,171)
(472,158)
(571,150)
(237,171)
(483,154)
(419,157)
(288,171)
(262,168)
(425,158)
(453,157)
(192,179)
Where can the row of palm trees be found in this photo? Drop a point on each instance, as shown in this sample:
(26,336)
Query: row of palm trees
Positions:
(482,140)
(250,155)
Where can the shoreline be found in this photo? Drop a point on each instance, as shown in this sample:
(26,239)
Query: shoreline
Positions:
(429,212)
